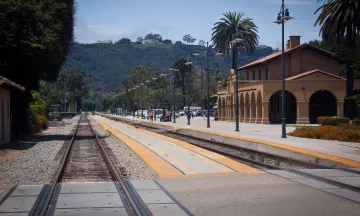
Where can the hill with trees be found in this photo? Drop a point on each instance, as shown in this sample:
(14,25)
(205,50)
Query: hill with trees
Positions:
(105,65)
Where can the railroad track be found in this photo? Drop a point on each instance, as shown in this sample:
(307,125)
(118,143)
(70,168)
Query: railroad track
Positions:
(86,160)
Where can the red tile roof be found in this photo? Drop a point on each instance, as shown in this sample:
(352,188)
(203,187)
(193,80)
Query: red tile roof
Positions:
(311,72)
(278,54)
(5,82)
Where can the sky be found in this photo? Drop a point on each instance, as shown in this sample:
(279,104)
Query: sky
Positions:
(115,19)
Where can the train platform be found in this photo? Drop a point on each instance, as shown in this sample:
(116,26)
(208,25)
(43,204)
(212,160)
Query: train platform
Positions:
(169,157)
(264,136)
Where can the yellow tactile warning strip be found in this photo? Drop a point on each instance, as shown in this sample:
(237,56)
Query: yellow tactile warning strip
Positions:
(239,167)
(160,166)
(321,155)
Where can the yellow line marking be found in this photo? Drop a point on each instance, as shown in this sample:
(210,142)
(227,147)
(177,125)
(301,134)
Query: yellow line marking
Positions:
(330,157)
(232,164)
(169,157)
(158,164)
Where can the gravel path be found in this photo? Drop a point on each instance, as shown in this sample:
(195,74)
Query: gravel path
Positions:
(37,164)
(127,161)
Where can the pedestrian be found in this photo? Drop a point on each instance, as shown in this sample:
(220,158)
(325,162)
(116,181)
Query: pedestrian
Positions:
(152,115)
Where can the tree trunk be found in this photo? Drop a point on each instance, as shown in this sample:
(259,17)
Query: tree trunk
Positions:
(233,66)
(183,89)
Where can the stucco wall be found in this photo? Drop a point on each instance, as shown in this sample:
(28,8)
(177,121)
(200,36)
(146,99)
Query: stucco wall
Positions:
(4,115)
(299,61)
(311,60)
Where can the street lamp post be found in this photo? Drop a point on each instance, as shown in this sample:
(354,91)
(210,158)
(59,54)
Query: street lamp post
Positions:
(147,97)
(142,101)
(208,84)
(189,115)
(155,106)
(283,16)
(163,95)
(174,71)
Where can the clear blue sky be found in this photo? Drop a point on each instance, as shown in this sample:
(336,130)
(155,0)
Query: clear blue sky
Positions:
(115,19)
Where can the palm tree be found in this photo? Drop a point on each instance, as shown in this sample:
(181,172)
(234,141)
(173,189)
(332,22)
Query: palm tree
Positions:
(230,25)
(179,64)
(340,21)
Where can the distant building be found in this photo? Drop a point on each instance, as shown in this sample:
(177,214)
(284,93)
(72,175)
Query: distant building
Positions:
(104,41)
(150,41)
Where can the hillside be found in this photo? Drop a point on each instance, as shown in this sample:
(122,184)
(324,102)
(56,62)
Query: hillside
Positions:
(104,65)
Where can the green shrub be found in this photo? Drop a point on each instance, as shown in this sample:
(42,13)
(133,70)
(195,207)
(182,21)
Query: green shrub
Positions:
(355,122)
(349,133)
(37,113)
(332,120)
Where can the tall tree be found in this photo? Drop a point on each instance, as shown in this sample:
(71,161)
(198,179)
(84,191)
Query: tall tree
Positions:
(201,43)
(230,25)
(340,21)
(188,39)
(184,70)
(35,38)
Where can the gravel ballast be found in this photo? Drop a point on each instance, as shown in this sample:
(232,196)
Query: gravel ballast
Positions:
(126,161)
(37,164)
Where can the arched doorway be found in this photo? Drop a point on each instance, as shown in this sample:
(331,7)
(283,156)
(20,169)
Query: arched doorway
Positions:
(242,108)
(252,108)
(275,108)
(321,103)
(247,108)
(258,107)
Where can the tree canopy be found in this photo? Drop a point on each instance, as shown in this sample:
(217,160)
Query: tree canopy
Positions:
(167,41)
(189,39)
(123,41)
(340,22)
(35,38)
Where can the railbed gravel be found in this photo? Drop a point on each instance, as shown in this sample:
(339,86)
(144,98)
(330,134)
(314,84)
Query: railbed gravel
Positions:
(37,164)
(128,163)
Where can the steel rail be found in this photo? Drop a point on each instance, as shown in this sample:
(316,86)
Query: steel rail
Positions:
(138,210)
(46,198)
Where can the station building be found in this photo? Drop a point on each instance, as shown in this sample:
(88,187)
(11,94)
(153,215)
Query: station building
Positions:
(312,82)
(6,86)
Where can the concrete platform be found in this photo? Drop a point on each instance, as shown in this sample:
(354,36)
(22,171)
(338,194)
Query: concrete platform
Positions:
(256,195)
(330,174)
(93,199)
(21,200)
(181,155)
(265,138)
(352,179)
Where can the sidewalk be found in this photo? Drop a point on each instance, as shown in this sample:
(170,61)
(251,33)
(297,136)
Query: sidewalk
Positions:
(270,133)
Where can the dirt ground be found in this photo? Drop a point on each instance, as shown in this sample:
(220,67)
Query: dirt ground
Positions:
(15,148)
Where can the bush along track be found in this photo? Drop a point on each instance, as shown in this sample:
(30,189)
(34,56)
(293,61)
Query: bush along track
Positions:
(331,128)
